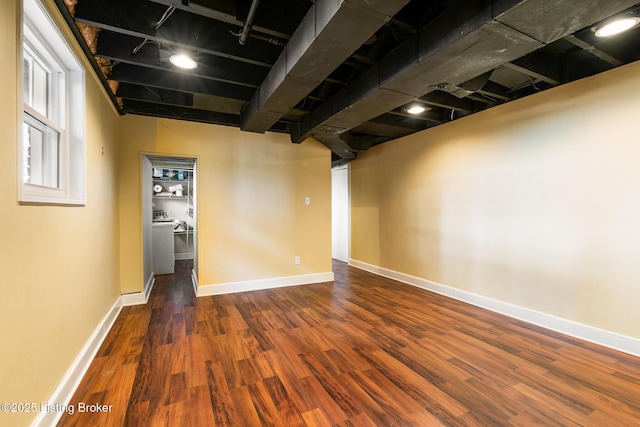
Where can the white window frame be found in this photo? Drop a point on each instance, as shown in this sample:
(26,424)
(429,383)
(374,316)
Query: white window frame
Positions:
(40,123)
(42,38)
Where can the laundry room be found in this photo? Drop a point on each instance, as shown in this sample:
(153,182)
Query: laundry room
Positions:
(173,204)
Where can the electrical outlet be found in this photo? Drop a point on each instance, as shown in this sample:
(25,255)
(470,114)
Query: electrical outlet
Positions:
(297,260)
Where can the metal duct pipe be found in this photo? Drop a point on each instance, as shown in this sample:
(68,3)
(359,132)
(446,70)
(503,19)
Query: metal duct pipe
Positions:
(325,38)
(247,25)
(460,45)
(341,151)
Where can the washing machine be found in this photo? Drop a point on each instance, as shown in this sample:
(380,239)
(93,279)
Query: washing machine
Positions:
(163,252)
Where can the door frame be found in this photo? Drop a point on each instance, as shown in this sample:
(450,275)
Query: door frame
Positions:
(177,162)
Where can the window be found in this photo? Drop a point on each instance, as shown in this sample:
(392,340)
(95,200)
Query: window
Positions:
(52,164)
(42,131)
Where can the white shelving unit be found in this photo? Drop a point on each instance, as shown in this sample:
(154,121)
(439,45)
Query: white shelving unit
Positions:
(171,206)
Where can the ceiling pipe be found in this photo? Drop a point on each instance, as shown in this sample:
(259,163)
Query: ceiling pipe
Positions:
(247,25)
(269,39)
(200,10)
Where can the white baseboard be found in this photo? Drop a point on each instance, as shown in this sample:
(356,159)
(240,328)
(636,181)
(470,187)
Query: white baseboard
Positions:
(592,334)
(71,380)
(139,298)
(254,285)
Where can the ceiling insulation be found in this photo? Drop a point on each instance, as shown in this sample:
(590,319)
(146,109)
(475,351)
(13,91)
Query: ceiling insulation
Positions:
(90,35)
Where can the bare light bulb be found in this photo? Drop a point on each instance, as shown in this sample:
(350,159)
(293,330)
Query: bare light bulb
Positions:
(183,61)
(416,109)
(617,27)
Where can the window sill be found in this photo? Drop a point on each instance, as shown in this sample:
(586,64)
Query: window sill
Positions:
(56,201)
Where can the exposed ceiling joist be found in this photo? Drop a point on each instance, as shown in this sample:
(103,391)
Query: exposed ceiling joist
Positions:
(384,130)
(118,47)
(594,50)
(182,113)
(182,30)
(351,68)
(148,94)
(460,45)
(533,66)
(127,73)
(494,90)
(228,16)
(465,42)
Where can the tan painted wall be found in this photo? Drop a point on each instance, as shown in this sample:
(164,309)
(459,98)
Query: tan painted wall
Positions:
(59,265)
(536,203)
(252,220)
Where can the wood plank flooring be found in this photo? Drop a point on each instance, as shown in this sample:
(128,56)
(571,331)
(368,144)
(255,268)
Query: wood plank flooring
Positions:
(363,351)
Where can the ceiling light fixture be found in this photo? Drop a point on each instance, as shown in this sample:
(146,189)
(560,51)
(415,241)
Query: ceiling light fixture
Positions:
(416,109)
(617,26)
(183,61)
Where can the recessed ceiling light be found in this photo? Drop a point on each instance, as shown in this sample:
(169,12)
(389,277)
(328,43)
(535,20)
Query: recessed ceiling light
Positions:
(416,109)
(183,61)
(616,27)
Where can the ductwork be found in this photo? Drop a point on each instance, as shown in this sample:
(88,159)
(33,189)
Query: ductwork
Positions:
(326,37)
(344,146)
(465,42)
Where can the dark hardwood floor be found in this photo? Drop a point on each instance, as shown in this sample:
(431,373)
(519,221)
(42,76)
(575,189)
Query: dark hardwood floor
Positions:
(363,351)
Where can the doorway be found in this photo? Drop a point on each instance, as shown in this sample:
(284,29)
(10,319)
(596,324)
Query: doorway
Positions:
(340,213)
(169,215)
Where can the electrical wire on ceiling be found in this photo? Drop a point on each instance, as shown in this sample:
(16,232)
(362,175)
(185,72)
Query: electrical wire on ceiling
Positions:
(165,16)
(488,97)
(533,83)
(167,13)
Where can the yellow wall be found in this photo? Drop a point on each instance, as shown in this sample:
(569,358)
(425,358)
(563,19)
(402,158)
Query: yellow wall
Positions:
(63,267)
(535,203)
(59,265)
(252,219)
